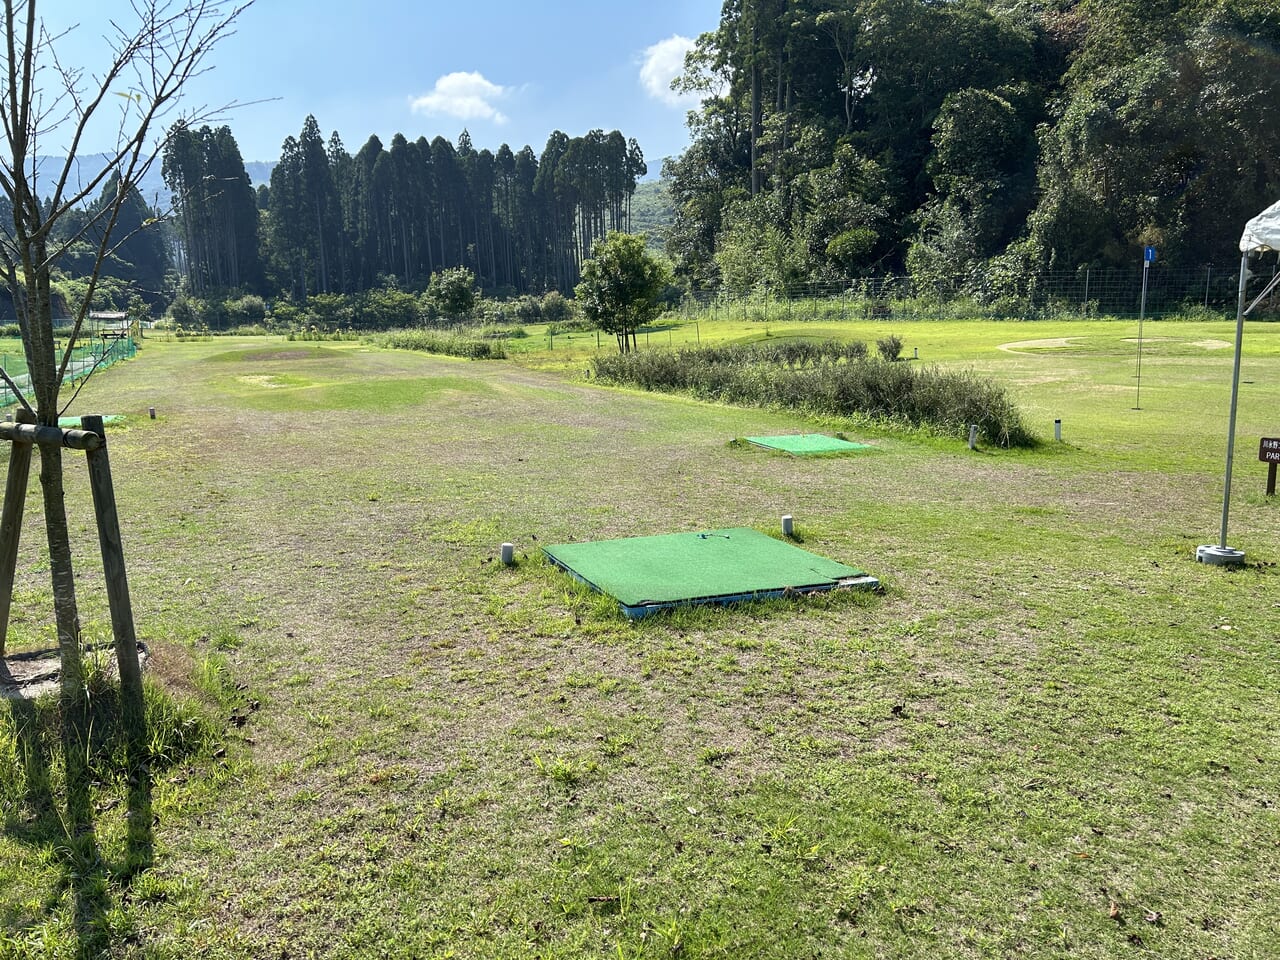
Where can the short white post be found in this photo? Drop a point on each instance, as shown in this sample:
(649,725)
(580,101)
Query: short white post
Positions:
(973,436)
(508,554)
(917,354)
(1057,429)
(788,527)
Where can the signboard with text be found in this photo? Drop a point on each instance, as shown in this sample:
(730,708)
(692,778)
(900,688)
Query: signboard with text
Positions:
(1269,453)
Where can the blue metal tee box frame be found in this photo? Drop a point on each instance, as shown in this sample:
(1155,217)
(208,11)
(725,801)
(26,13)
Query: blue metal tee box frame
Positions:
(649,574)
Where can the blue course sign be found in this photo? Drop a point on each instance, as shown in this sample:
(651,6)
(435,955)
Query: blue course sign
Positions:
(1149,255)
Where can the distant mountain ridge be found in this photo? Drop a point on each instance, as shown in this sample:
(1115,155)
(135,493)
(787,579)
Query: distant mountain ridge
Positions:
(152,187)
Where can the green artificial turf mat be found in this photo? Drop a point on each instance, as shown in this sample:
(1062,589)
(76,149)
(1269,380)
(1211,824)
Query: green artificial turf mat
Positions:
(73,423)
(802,443)
(717,566)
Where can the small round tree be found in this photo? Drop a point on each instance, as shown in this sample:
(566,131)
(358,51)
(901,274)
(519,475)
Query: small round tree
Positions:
(453,291)
(622,286)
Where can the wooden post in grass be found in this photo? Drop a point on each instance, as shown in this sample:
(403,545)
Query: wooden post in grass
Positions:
(113,571)
(15,499)
(133,710)
(22,432)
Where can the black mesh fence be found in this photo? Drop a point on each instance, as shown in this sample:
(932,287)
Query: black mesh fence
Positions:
(1208,292)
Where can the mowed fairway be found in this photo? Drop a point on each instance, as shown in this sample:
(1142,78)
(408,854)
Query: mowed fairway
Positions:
(1055,735)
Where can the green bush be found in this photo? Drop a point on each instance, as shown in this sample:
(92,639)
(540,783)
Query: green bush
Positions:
(246,311)
(828,378)
(889,348)
(452,292)
(329,311)
(388,307)
(555,308)
(286,314)
(529,309)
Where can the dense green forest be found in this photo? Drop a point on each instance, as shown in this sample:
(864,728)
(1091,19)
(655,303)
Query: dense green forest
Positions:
(333,222)
(136,259)
(976,145)
(977,142)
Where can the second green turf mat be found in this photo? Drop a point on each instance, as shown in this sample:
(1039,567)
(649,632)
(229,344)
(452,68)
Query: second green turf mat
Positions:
(806,443)
(718,566)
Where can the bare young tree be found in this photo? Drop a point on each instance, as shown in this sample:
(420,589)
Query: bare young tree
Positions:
(55,107)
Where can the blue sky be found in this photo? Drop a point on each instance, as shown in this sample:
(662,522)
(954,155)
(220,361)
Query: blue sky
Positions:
(507,71)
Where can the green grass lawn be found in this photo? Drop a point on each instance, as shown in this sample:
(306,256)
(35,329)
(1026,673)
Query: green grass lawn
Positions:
(1055,735)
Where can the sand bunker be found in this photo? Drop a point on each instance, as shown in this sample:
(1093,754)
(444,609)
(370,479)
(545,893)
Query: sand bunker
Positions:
(1017,345)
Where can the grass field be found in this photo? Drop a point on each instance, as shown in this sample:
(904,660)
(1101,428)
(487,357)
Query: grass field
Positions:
(1055,735)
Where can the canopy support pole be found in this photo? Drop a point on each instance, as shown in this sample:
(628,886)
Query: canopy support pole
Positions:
(1221,554)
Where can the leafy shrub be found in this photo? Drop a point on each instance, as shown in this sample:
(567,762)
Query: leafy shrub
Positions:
(195,313)
(328,311)
(529,309)
(494,312)
(387,307)
(246,310)
(889,348)
(827,378)
(453,292)
(555,308)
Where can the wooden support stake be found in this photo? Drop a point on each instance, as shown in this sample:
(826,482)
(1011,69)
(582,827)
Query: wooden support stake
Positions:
(113,570)
(15,500)
(1271,492)
(50,436)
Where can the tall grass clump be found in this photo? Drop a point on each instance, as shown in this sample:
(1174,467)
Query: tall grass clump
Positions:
(828,379)
(31,768)
(444,342)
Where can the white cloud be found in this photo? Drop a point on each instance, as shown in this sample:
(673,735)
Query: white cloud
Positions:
(467,96)
(662,63)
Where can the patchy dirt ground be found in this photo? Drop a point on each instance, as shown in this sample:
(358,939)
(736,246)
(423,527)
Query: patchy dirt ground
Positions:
(32,674)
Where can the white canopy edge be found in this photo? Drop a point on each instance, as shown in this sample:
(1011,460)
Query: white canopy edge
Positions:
(1262,232)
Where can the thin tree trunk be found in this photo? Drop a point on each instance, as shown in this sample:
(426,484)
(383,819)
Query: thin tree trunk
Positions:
(756,125)
(72,696)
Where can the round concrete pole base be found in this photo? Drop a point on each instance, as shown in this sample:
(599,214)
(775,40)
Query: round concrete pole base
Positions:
(1219,556)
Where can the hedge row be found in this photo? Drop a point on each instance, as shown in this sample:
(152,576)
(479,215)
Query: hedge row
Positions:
(444,342)
(828,382)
